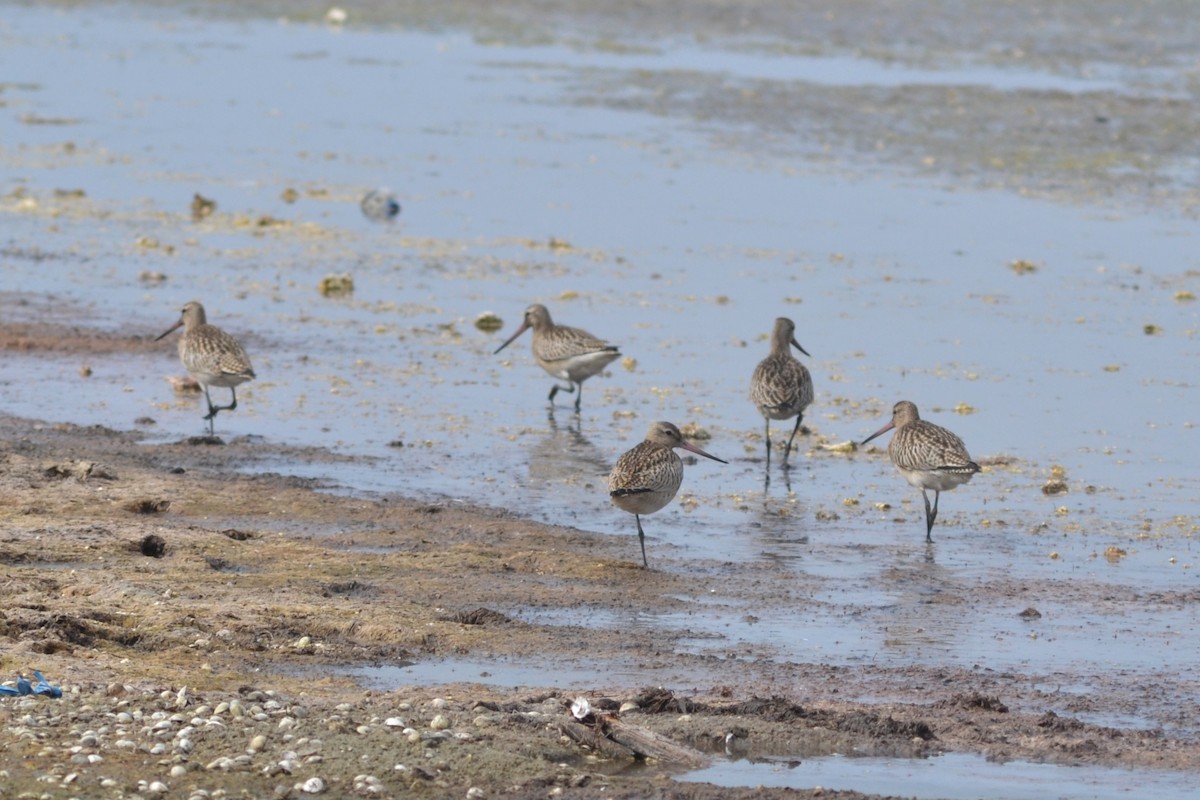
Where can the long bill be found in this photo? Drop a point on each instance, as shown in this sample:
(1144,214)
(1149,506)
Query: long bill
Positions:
(691,447)
(524,327)
(796,345)
(169,330)
(884,429)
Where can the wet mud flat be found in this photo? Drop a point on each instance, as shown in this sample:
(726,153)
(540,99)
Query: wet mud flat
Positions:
(221,627)
(259,590)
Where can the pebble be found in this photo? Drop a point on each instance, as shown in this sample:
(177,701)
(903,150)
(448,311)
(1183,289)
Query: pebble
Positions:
(394,722)
(178,771)
(440,723)
(257,743)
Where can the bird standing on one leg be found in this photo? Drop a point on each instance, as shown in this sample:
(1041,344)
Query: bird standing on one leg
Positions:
(927,455)
(570,354)
(647,477)
(211,356)
(781,386)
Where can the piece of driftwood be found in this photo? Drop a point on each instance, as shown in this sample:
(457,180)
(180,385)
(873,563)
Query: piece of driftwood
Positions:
(613,737)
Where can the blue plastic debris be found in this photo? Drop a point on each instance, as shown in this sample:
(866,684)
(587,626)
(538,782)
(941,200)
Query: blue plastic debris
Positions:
(380,205)
(25,687)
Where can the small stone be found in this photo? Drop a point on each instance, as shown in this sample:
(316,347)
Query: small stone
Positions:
(440,722)
(257,743)
(158,787)
(394,722)
(475,792)
(178,771)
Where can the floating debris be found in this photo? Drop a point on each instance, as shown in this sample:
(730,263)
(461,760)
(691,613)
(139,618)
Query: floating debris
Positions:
(1022,267)
(1030,613)
(847,446)
(1114,553)
(1151,329)
(202,207)
(183,384)
(630,364)
(336,15)
(380,205)
(693,431)
(1184,296)
(963,408)
(289,195)
(489,322)
(1054,486)
(152,278)
(336,285)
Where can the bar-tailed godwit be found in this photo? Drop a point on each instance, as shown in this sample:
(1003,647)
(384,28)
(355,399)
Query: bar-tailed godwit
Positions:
(781,386)
(212,356)
(927,455)
(647,477)
(570,354)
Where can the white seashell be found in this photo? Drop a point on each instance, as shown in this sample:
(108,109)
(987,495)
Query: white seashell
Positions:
(257,743)
(394,722)
(580,708)
(440,723)
(312,786)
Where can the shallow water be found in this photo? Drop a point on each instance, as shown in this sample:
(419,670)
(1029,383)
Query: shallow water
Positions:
(657,235)
(951,776)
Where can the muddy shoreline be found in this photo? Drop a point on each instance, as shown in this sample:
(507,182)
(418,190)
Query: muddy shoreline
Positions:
(265,584)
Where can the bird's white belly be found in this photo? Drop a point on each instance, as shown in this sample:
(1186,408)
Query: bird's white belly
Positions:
(934,479)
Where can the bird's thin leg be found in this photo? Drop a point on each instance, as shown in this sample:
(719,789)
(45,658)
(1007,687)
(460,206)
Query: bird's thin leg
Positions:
(578,396)
(642,541)
(768,438)
(212,410)
(930,513)
(556,389)
(787,451)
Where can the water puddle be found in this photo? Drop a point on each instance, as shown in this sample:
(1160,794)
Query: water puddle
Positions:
(950,776)
(526,673)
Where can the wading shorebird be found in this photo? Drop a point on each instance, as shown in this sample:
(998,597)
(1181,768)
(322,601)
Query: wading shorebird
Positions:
(927,455)
(212,356)
(647,477)
(570,354)
(781,386)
